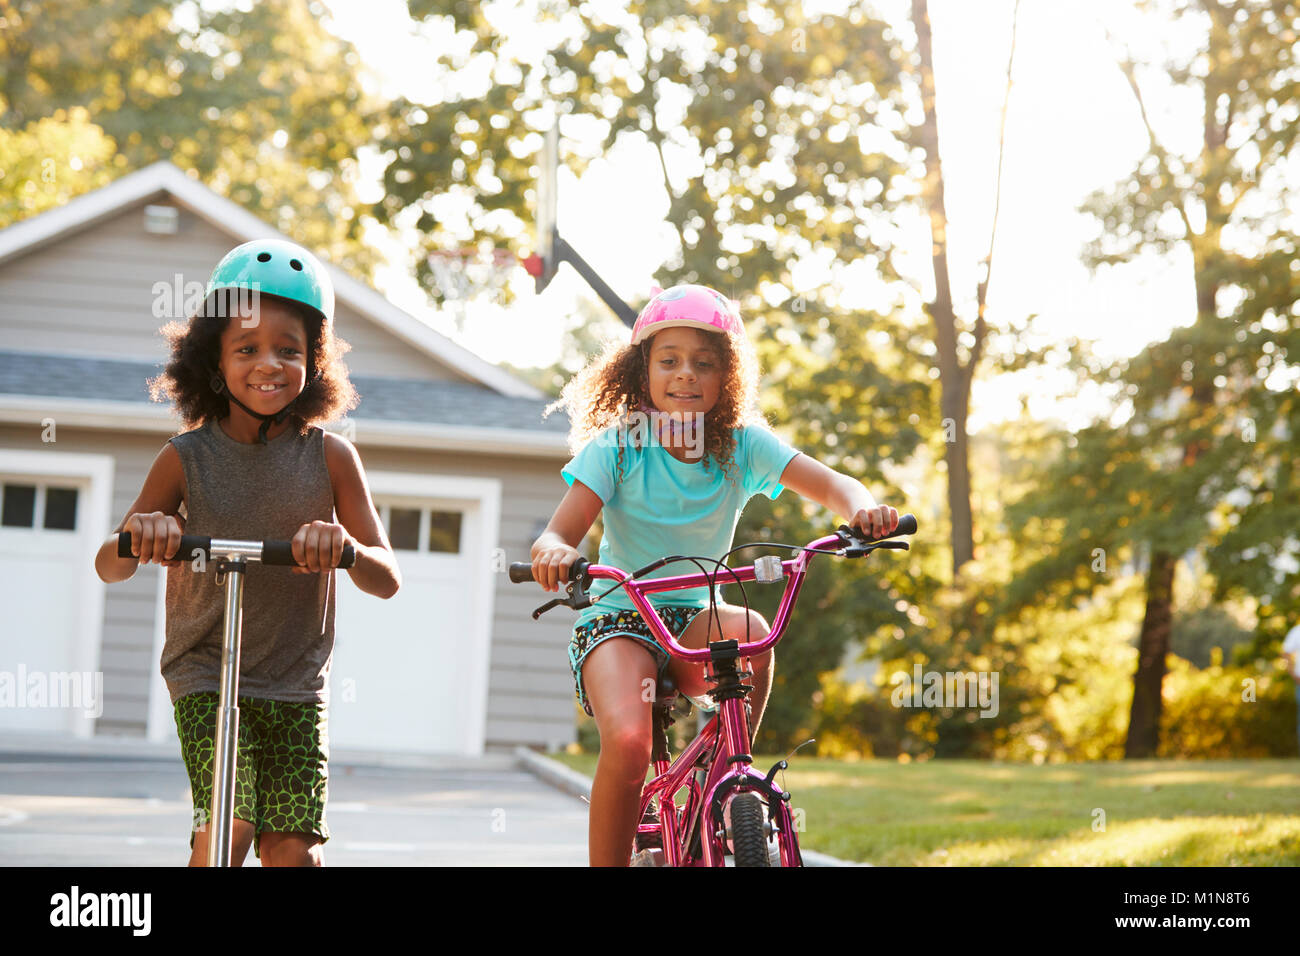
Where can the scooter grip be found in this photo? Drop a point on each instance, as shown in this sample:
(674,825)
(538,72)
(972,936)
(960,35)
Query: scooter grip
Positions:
(280,553)
(189,544)
(521,571)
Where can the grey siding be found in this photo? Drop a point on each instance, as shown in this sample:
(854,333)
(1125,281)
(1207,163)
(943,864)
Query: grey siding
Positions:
(93,293)
(530,690)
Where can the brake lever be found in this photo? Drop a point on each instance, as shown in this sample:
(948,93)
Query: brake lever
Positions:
(855,546)
(547,606)
(576,590)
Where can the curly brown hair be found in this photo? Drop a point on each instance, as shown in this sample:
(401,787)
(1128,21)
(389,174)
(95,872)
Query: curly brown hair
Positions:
(615,383)
(196,350)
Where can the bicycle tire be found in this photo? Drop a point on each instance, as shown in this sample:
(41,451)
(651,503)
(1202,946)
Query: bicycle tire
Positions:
(747,815)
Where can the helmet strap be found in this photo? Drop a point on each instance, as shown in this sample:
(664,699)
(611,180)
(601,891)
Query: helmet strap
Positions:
(218,385)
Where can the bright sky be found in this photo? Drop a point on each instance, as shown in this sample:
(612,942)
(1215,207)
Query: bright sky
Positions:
(1073,126)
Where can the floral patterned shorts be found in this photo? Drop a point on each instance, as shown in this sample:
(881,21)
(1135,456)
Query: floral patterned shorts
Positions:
(589,636)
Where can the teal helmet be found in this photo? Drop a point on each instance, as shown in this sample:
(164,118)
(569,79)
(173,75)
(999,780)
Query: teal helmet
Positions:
(279,268)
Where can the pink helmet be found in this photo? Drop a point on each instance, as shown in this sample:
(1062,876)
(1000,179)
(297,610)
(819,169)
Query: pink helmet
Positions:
(687,306)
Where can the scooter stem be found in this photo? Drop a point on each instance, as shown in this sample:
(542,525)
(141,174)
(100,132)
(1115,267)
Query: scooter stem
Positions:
(221,824)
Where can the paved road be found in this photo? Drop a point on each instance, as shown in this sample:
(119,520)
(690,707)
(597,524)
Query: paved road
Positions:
(61,810)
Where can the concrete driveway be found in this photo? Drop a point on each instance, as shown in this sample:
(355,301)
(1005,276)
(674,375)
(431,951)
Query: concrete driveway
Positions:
(66,809)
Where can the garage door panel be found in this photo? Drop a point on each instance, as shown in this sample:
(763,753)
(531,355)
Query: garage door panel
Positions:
(400,676)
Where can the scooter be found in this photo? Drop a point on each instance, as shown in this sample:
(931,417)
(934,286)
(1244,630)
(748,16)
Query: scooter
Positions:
(232,563)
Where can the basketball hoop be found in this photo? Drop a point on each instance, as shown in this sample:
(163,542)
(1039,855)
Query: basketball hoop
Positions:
(469,273)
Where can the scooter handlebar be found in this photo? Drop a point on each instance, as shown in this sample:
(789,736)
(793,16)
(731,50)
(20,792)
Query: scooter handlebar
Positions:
(279,553)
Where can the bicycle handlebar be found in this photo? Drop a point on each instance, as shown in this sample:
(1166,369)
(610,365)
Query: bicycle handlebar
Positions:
(522,571)
(278,553)
(846,541)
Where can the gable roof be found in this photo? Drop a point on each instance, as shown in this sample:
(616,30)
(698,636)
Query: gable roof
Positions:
(239,223)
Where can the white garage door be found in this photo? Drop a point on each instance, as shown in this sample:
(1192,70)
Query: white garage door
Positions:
(51,610)
(409,673)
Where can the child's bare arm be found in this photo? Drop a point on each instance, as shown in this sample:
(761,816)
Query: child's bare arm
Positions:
(319,545)
(556,549)
(843,495)
(152,519)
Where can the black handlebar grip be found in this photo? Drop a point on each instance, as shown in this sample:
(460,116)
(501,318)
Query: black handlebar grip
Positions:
(189,544)
(906,524)
(280,553)
(194,542)
(520,572)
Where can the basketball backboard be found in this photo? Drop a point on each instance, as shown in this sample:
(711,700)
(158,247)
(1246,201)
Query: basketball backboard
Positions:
(544,261)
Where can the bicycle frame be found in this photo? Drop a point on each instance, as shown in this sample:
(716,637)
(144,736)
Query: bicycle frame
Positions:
(724,743)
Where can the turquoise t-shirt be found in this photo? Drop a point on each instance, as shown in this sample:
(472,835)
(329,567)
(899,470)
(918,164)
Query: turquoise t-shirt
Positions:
(665,507)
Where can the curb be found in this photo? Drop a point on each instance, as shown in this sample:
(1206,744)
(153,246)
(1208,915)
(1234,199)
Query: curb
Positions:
(555,773)
(579,785)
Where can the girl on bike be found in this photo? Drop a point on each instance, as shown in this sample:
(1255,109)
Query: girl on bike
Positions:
(672,446)
(252,375)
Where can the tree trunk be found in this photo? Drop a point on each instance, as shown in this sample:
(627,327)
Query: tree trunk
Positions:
(1153,648)
(954,384)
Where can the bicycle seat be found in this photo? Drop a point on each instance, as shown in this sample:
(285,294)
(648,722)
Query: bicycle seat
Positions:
(665,690)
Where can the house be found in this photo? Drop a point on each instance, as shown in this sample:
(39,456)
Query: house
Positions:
(464,471)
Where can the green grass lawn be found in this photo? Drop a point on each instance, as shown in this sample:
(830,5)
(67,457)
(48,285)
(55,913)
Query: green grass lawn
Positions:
(979,813)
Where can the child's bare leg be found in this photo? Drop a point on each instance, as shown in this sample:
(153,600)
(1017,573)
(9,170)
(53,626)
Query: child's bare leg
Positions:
(690,677)
(614,676)
(241,840)
(292,849)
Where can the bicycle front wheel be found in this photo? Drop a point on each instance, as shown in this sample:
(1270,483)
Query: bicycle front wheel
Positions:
(747,835)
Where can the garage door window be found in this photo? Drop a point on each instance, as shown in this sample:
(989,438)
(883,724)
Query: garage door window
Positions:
(422,529)
(404,529)
(24,505)
(444,531)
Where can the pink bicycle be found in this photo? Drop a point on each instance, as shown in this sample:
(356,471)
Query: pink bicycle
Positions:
(715,771)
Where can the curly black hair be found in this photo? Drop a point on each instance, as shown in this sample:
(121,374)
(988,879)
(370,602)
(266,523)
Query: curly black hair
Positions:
(186,382)
(616,383)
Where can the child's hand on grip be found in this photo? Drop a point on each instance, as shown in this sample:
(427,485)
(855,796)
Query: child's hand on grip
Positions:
(876,522)
(551,565)
(155,537)
(318,547)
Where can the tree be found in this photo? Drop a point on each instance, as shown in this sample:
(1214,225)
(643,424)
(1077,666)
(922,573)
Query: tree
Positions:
(956,374)
(1157,478)
(50,161)
(262,103)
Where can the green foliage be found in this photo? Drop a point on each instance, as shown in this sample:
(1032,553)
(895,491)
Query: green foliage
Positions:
(1228,712)
(1198,634)
(259,100)
(1195,453)
(50,161)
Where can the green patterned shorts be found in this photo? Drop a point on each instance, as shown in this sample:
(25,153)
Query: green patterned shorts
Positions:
(587,637)
(280,763)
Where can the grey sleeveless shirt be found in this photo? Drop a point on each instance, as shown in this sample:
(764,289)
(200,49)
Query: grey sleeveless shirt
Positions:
(258,492)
